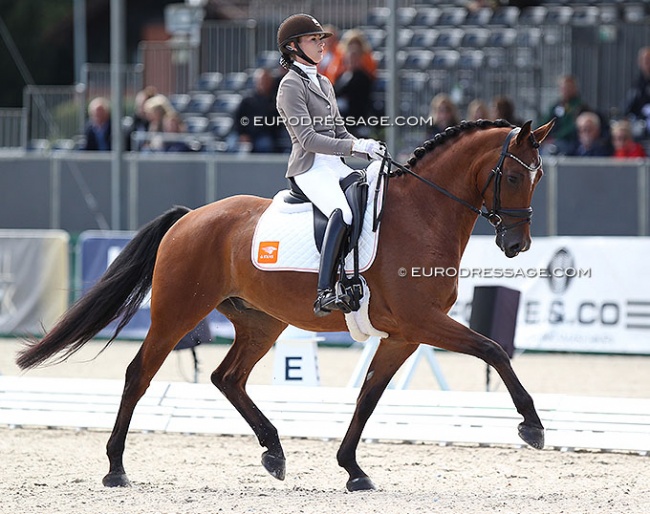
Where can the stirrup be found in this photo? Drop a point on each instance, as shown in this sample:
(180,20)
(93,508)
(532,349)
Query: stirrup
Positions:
(329,301)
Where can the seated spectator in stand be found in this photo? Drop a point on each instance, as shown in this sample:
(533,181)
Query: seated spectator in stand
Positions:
(353,90)
(443,113)
(332,61)
(173,124)
(591,142)
(564,136)
(98,129)
(478,110)
(504,108)
(624,144)
(139,121)
(155,109)
(638,104)
(255,124)
(336,68)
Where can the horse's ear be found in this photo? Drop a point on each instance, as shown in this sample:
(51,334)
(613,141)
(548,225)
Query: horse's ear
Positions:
(541,133)
(524,132)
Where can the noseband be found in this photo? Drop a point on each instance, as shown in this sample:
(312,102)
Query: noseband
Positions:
(496,213)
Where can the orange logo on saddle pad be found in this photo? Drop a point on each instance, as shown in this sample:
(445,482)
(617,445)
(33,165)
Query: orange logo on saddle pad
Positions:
(267,252)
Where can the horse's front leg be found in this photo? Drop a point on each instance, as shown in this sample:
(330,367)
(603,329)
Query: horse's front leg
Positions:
(385,363)
(453,336)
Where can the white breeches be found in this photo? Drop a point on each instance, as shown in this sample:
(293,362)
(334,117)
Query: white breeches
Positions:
(321,185)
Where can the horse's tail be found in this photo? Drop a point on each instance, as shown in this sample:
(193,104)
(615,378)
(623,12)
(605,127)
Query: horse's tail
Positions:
(117,294)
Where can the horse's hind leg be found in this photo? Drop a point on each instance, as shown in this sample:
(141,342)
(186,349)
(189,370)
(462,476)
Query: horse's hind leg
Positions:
(139,373)
(255,333)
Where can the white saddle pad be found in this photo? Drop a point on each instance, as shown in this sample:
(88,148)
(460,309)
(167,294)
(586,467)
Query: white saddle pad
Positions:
(284,236)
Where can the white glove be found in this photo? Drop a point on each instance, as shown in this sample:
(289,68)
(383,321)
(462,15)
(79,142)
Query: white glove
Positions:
(372,148)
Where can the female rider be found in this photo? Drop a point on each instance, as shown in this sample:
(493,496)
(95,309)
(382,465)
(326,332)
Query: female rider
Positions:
(307,103)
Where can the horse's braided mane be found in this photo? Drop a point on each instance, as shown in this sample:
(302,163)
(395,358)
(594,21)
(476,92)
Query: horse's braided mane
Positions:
(450,133)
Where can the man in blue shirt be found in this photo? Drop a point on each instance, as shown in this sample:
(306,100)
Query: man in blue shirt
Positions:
(98,129)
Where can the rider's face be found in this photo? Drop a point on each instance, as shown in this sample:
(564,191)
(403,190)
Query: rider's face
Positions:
(313,46)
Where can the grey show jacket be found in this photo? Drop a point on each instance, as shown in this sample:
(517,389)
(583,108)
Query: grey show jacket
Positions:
(313,121)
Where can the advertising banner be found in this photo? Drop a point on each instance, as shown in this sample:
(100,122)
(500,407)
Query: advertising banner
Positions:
(578,294)
(34,280)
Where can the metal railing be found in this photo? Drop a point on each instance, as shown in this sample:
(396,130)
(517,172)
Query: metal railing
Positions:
(11,128)
(96,81)
(52,113)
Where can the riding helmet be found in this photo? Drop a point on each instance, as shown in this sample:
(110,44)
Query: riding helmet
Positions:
(298,25)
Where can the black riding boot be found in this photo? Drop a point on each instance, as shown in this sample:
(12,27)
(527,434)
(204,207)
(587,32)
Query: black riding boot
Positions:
(335,235)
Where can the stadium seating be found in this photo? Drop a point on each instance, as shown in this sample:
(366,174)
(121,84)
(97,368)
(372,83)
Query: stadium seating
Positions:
(200,103)
(209,81)
(441,46)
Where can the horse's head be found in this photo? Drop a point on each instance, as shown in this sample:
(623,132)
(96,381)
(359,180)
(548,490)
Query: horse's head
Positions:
(508,189)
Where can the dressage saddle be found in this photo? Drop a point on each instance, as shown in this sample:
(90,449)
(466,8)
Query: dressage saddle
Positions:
(355,187)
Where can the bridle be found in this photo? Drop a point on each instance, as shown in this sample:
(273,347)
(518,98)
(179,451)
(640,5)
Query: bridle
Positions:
(493,215)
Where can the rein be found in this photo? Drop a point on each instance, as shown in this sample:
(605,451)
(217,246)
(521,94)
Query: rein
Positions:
(494,215)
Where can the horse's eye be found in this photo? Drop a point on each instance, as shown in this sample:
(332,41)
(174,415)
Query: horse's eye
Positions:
(512,179)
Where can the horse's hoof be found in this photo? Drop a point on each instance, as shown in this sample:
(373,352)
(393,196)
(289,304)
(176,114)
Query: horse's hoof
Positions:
(534,436)
(360,484)
(116,480)
(275,465)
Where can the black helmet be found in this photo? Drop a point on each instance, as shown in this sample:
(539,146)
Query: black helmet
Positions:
(298,25)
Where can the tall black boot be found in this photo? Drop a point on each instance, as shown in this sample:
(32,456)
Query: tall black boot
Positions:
(335,235)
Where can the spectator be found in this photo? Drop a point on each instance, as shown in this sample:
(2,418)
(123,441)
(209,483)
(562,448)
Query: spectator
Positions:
(173,124)
(563,137)
(255,123)
(504,108)
(638,105)
(353,89)
(139,121)
(98,129)
(443,113)
(333,56)
(591,142)
(624,144)
(155,109)
(477,110)
(367,62)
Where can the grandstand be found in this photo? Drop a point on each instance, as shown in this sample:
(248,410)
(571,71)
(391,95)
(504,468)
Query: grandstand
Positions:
(441,46)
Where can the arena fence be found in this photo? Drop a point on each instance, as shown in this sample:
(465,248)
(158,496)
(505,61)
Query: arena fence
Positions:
(73,190)
(445,417)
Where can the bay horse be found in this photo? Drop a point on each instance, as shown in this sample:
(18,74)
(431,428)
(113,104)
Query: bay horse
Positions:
(198,260)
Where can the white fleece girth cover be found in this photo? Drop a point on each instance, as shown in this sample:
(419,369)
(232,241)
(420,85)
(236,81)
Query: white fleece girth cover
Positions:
(284,236)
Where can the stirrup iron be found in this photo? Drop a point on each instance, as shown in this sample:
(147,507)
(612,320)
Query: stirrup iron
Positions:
(329,301)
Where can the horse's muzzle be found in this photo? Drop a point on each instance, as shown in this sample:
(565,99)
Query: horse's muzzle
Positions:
(512,246)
